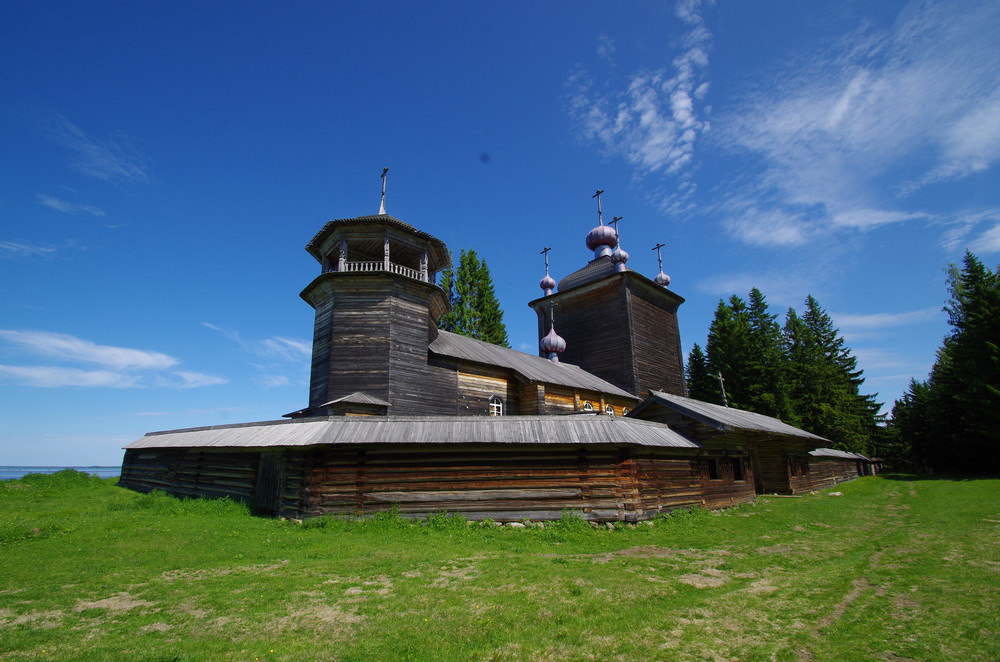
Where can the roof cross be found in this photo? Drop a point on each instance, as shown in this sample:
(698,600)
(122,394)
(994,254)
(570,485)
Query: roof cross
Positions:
(600,214)
(545,252)
(659,259)
(381,207)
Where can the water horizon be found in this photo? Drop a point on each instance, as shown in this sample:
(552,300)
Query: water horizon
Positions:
(15,471)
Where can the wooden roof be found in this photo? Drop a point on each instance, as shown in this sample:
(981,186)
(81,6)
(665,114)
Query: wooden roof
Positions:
(838,454)
(439,251)
(586,429)
(532,368)
(722,418)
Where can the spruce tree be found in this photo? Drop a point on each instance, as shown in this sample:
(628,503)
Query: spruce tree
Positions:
(701,384)
(475,311)
(728,348)
(764,372)
(951,422)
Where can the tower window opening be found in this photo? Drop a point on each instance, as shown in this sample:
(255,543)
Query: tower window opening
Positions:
(496,406)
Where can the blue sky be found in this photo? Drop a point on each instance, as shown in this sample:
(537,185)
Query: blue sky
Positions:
(162,165)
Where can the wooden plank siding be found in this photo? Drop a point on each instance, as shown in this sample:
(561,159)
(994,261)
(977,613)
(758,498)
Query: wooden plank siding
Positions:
(476,481)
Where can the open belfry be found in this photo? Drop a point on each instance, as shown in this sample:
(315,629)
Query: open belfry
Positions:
(403,415)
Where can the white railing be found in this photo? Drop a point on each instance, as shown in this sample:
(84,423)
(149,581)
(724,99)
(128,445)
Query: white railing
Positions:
(380,266)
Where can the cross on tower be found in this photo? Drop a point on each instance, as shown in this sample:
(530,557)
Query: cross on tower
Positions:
(659,259)
(381,207)
(545,252)
(600,213)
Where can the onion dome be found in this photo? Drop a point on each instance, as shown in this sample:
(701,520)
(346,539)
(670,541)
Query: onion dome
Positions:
(662,279)
(548,283)
(553,345)
(601,240)
(619,256)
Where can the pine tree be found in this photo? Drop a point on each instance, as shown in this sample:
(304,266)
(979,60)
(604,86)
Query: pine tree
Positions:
(728,348)
(701,384)
(765,366)
(824,382)
(475,311)
(951,422)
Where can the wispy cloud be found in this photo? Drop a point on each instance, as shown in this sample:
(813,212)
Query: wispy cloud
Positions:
(855,322)
(654,120)
(851,131)
(68,207)
(117,367)
(115,159)
(280,356)
(21,249)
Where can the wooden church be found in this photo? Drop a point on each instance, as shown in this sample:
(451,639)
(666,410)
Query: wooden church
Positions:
(404,415)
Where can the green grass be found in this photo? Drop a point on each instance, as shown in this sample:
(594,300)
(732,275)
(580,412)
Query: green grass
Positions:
(894,569)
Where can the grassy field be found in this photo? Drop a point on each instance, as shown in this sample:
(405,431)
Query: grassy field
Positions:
(893,569)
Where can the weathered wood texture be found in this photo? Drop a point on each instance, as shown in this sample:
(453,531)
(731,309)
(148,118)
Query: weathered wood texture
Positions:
(371,335)
(824,472)
(477,481)
(622,328)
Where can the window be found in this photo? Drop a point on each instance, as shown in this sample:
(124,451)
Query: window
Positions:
(496,405)
(609,410)
(713,470)
(588,407)
(738,469)
(625,411)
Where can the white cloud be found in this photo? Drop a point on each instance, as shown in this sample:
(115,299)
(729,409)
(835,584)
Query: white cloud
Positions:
(18,249)
(68,207)
(842,130)
(58,377)
(857,322)
(653,121)
(120,367)
(987,242)
(280,355)
(112,160)
(60,346)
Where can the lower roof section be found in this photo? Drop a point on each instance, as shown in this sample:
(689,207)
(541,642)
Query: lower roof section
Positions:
(575,429)
(723,418)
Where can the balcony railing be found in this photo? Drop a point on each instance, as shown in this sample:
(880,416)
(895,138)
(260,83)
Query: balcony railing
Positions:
(381,266)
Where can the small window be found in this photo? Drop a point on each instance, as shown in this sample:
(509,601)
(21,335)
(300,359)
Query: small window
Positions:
(609,410)
(738,469)
(588,407)
(713,470)
(496,406)
(625,411)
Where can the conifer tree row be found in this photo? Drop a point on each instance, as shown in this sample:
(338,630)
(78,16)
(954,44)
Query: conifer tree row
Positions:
(803,373)
(475,311)
(951,421)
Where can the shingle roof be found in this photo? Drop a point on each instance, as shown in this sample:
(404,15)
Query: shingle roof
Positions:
(842,455)
(723,418)
(359,398)
(596,268)
(379,219)
(585,429)
(532,368)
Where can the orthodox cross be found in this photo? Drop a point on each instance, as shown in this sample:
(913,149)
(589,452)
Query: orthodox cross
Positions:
(659,260)
(545,252)
(381,208)
(600,214)
(614,223)
(722,385)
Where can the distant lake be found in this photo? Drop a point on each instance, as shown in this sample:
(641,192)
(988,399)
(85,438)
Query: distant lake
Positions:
(12,473)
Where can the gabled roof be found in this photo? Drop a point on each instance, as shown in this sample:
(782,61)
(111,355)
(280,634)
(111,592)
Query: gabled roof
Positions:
(531,368)
(358,398)
(838,454)
(591,429)
(726,419)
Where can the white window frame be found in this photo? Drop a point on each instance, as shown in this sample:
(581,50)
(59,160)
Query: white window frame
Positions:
(496,405)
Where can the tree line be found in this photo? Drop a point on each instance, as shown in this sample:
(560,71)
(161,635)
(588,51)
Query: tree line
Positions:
(950,422)
(801,372)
